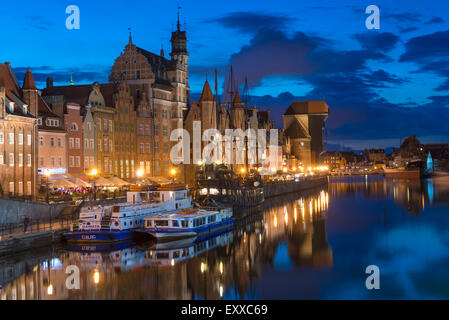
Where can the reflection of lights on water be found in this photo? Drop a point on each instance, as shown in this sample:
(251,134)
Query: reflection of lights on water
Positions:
(285,216)
(296,215)
(275,222)
(172,262)
(50,290)
(96,277)
(221,267)
(303,213)
(203,267)
(260,238)
(221,291)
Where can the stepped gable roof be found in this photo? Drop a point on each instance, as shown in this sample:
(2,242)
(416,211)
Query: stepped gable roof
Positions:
(307,107)
(296,131)
(207,94)
(28,82)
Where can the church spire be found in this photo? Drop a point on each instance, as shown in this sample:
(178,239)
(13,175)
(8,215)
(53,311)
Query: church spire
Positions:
(130,36)
(179,24)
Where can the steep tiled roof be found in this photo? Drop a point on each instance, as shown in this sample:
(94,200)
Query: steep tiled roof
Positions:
(207,94)
(307,107)
(237,98)
(28,82)
(157,62)
(12,91)
(78,94)
(296,131)
(7,81)
(108,90)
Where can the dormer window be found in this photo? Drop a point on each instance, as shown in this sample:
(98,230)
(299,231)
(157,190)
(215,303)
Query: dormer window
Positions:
(25,109)
(11,106)
(52,123)
(74,127)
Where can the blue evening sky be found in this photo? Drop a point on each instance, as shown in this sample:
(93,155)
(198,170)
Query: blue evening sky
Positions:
(381,85)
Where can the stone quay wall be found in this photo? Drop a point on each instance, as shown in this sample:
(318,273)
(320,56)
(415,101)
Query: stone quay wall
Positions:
(13,211)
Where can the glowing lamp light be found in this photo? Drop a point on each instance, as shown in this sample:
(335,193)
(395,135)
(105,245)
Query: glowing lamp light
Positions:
(96,277)
(242,170)
(285,170)
(173,172)
(50,290)
(94,172)
(140,173)
(200,163)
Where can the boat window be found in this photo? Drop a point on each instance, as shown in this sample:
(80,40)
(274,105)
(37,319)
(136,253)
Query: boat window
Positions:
(116,209)
(185,224)
(161,223)
(124,224)
(162,255)
(175,223)
(176,254)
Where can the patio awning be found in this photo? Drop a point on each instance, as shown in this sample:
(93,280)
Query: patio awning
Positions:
(158,180)
(119,182)
(103,182)
(81,183)
(62,183)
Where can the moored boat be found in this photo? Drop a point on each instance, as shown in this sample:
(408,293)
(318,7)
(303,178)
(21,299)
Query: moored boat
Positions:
(118,222)
(188,223)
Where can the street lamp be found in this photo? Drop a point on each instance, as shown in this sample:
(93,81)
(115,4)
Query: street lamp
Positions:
(140,173)
(47,177)
(173,174)
(92,175)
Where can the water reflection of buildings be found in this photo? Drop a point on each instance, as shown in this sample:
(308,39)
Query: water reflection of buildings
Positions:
(226,266)
(412,195)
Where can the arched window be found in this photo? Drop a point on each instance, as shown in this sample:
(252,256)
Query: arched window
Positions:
(74,127)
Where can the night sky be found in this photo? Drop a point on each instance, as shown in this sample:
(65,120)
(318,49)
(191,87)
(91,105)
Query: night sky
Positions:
(381,85)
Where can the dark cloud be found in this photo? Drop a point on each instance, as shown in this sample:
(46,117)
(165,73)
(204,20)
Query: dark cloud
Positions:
(435,20)
(431,54)
(382,42)
(421,49)
(345,81)
(273,53)
(250,22)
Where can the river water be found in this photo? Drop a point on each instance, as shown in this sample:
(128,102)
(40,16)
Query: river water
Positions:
(309,246)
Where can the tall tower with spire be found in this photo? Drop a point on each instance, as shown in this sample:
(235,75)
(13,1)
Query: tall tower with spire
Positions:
(180,56)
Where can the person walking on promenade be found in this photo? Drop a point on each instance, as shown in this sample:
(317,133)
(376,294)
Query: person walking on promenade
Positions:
(26,222)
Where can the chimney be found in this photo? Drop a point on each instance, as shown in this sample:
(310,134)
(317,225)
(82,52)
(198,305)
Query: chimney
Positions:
(49,83)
